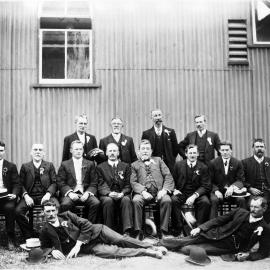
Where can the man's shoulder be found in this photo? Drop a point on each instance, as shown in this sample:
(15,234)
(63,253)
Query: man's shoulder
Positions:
(167,128)
(181,163)
(90,135)
(145,132)
(191,134)
(106,138)
(70,136)
(27,165)
(235,160)
(249,159)
(211,133)
(9,163)
(201,165)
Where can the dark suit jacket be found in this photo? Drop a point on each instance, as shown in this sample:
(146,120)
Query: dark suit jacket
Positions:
(226,225)
(209,147)
(106,177)
(170,143)
(126,149)
(235,174)
(66,178)
(249,165)
(201,179)
(90,143)
(11,178)
(159,171)
(77,228)
(47,177)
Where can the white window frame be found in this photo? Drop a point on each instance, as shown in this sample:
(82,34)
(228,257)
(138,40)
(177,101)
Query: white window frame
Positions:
(66,80)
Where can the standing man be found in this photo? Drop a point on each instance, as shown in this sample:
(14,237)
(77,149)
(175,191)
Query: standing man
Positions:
(227,175)
(10,186)
(151,181)
(207,141)
(38,180)
(163,140)
(192,187)
(257,173)
(125,143)
(77,182)
(114,190)
(89,141)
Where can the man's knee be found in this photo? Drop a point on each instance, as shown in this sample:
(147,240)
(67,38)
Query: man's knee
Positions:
(165,201)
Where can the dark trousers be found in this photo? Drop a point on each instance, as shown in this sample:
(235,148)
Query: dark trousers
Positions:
(23,221)
(240,202)
(92,203)
(111,244)
(8,207)
(112,209)
(202,210)
(165,206)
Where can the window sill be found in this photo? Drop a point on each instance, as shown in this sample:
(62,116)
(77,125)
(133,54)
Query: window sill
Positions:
(82,85)
(254,45)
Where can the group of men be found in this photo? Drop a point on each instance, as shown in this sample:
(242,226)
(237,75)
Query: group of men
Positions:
(113,180)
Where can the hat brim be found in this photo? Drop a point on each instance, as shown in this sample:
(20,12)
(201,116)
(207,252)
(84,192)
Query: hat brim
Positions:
(3,196)
(42,260)
(241,196)
(25,247)
(207,261)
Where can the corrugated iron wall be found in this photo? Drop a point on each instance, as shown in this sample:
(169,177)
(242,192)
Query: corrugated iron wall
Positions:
(147,54)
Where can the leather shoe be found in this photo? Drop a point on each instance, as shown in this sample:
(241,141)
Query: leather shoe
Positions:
(154,253)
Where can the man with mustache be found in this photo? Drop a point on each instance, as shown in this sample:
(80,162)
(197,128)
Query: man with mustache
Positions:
(257,173)
(207,141)
(114,190)
(163,140)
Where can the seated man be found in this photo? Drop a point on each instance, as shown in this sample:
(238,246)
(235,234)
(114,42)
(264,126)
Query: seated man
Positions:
(151,181)
(67,234)
(114,190)
(77,182)
(38,180)
(227,175)
(10,189)
(236,232)
(192,187)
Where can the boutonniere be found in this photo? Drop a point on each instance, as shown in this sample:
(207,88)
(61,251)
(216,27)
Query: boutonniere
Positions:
(231,168)
(121,174)
(152,161)
(266,164)
(87,138)
(64,224)
(167,131)
(41,171)
(197,172)
(84,167)
(5,169)
(209,140)
(259,230)
(124,142)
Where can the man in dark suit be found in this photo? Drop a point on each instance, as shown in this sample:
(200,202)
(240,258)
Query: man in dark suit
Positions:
(89,141)
(77,182)
(192,187)
(125,143)
(65,235)
(227,176)
(151,181)
(207,141)
(163,140)
(10,185)
(257,173)
(38,180)
(114,190)
(236,232)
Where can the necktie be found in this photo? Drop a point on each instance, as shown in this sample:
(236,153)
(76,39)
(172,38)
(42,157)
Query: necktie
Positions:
(226,163)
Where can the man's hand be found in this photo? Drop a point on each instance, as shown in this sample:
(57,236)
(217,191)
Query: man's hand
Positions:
(28,200)
(11,196)
(58,255)
(255,191)
(229,192)
(120,195)
(84,196)
(176,192)
(46,197)
(242,256)
(147,196)
(219,195)
(195,231)
(190,200)
(73,196)
(160,194)
(113,195)
(75,250)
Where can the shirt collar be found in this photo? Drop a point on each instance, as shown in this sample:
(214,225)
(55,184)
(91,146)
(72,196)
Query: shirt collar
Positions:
(259,160)
(158,129)
(56,223)
(1,162)
(253,219)
(37,164)
(193,163)
(113,163)
(75,160)
(224,160)
(201,133)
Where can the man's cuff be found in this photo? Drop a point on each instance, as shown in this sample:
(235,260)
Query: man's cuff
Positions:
(68,192)
(24,194)
(197,194)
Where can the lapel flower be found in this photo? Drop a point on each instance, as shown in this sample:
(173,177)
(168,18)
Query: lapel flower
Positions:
(209,140)
(124,142)
(197,172)
(231,168)
(266,164)
(64,224)
(5,169)
(121,174)
(87,138)
(83,167)
(167,131)
(41,171)
(259,230)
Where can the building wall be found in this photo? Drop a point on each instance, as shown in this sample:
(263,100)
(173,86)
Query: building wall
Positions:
(147,54)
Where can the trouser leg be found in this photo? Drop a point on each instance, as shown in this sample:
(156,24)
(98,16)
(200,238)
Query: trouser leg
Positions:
(165,212)
(138,203)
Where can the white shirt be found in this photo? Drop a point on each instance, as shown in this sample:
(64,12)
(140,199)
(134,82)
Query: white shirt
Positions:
(81,137)
(201,133)
(259,160)
(1,173)
(158,130)
(226,168)
(191,163)
(253,219)
(113,163)
(78,172)
(37,164)
(116,136)
(55,224)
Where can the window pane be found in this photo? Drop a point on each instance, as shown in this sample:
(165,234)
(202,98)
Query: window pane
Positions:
(53,63)
(78,38)
(78,63)
(53,37)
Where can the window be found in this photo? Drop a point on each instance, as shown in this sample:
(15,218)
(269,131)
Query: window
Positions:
(261,21)
(65,44)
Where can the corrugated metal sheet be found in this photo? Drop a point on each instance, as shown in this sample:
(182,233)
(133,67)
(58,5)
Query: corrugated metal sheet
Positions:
(147,54)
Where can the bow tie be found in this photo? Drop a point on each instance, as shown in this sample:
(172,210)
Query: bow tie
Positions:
(146,160)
